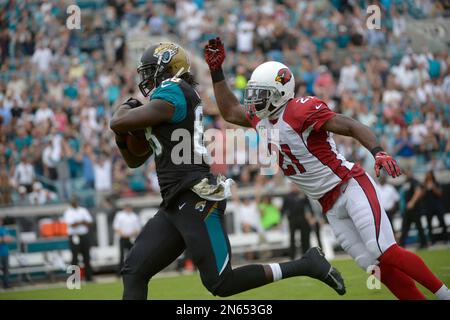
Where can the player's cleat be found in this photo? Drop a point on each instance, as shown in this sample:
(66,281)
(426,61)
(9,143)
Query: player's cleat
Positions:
(324,271)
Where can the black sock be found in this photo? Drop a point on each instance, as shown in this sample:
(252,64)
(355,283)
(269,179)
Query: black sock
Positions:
(242,279)
(299,267)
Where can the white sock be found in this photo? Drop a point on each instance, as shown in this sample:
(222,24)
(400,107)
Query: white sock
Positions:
(443,293)
(276,271)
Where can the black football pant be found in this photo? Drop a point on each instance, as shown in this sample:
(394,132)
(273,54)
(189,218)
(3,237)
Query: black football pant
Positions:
(198,225)
(124,247)
(437,210)
(412,216)
(305,230)
(83,246)
(4,266)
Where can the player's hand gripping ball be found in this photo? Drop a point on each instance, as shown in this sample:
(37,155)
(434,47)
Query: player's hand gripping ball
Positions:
(137,143)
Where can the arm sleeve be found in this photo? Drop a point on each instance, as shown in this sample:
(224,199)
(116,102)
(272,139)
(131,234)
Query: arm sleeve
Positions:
(171,92)
(308,112)
(318,113)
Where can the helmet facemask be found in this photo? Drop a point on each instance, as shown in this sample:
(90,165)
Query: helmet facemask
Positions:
(160,62)
(261,100)
(150,76)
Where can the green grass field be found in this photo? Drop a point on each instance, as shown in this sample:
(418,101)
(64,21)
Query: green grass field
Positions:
(190,287)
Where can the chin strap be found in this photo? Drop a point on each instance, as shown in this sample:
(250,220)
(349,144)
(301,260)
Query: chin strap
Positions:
(277,112)
(179,72)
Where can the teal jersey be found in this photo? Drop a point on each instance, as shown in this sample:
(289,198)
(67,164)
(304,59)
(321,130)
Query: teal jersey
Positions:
(178,144)
(172,93)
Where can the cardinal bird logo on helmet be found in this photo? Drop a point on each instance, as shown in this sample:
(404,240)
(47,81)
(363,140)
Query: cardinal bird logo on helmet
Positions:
(283,76)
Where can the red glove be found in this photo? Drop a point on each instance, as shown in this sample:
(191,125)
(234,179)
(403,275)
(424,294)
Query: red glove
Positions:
(214,54)
(383,160)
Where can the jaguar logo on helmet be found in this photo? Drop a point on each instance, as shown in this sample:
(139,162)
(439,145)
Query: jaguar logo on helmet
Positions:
(283,76)
(165,52)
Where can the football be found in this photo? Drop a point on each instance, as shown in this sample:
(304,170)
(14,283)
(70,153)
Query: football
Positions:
(137,143)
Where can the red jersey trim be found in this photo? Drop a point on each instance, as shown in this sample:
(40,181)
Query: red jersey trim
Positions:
(371,195)
(329,199)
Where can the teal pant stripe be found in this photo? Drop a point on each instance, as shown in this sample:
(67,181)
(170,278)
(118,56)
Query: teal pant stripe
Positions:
(217,238)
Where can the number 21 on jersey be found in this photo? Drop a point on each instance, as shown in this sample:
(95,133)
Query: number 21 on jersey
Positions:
(284,152)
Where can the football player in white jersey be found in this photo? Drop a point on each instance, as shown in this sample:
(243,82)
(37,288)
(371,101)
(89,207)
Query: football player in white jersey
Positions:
(307,155)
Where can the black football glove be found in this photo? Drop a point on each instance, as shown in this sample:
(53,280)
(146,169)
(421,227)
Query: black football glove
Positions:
(133,103)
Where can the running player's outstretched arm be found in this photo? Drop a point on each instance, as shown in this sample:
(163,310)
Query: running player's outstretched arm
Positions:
(229,106)
(347,126)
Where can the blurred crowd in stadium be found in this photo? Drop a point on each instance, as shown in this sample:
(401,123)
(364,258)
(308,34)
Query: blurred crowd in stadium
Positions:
(58,87)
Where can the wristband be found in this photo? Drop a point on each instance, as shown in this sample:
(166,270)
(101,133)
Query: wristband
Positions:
(217,75)
(375,150)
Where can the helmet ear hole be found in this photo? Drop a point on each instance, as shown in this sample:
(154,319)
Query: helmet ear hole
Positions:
(282,93)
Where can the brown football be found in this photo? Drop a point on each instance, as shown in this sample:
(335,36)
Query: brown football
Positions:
(137,143)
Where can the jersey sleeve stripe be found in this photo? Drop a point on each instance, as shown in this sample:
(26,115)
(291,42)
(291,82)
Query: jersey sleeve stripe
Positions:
(323,151)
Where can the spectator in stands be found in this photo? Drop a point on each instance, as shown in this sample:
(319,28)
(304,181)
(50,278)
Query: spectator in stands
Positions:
(78,220)
(248,213)
(324,85)
(433,206)
(404,148)
(50,161)
(24,174)
(245,35)
(23,198)
(42,57)
(389,198)
(5,238)
(249,217)
(299,213)
(44,113)
(6,187)
(88,165)
(246,209)
(127,226)
(152,178)
(318,219)
(418,131)
(40,195)
(413,192)
(270,214)
(102,173)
